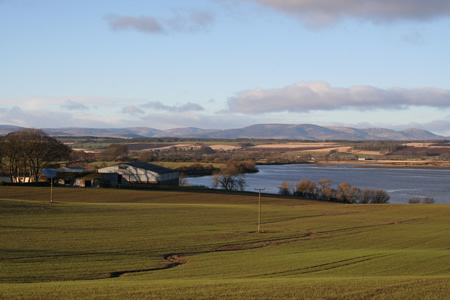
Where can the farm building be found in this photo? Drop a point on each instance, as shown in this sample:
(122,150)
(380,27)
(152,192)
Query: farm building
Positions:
(6,178)
(142,172)
(78,177)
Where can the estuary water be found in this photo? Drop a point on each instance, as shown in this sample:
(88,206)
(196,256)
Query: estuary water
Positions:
(400,183)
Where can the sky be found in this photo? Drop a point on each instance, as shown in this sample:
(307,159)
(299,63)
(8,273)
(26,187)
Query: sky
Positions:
(221,64)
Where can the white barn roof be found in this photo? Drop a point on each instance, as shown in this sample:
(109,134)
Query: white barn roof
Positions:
(150,167)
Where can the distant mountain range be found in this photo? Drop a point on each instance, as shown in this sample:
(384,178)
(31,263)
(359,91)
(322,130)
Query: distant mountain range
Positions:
(261,131)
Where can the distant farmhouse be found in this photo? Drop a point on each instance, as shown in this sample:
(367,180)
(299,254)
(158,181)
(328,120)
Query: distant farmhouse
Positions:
(123,174)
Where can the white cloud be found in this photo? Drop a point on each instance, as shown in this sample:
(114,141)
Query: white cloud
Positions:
(186,21)
(143,23)
(319,95)
(171,120)
(74,102)
(35,118)
(190,21)
(326,12)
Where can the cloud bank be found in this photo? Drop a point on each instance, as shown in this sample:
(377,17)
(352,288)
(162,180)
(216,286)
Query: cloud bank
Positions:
(192,21)
(189,106)
(143,23)
(72,105)
(319,95)
(132,110)
(327,12)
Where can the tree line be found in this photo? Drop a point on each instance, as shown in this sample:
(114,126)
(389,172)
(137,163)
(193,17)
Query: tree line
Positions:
(24,153)
(345,193)
(383,146)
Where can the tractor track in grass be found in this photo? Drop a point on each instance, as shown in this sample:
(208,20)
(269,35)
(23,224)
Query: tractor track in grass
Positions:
(176,259)
(328,266)
(173,260)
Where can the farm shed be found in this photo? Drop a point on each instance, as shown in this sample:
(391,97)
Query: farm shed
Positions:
(5,178)
(75,169)
(143,172)
(79,177)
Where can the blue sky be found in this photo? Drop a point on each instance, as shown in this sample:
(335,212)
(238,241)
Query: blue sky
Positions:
(219,64)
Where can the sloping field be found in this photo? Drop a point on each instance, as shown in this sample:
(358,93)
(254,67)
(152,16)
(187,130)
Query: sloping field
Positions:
(117,244)
(300,147)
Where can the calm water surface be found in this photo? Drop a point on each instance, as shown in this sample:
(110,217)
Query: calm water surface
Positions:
(400,183)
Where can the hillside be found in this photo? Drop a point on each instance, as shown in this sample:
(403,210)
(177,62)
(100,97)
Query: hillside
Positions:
(260,131)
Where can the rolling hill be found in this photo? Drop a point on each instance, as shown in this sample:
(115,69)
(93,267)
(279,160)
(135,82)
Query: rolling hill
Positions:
(259,131)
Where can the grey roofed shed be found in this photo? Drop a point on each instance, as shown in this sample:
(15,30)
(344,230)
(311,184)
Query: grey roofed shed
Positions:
(151,167)
(143,172)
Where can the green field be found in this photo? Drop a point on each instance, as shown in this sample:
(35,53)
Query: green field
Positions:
(122,244)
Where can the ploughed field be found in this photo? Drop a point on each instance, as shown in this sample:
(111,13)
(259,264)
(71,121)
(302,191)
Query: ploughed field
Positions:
(122,244)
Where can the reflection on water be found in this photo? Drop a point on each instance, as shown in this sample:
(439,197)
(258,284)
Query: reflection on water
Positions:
(400,183)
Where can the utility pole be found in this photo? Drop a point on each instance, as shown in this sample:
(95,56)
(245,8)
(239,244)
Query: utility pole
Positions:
(51,190)
(259,209)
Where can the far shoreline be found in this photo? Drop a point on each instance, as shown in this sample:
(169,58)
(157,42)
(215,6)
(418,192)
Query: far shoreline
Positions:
(391,164)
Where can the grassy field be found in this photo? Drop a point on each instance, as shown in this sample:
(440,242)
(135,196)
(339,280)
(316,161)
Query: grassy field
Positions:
(122,244)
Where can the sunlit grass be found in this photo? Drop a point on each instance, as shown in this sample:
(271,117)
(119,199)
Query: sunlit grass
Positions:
(70,248)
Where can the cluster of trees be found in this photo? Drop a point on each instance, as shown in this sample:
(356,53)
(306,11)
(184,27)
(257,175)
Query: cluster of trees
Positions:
(425,200)
(383,146)
(24,153)
(198,170)
(412,153)
(114,152)
(203,154)
(206,154)
(345,193)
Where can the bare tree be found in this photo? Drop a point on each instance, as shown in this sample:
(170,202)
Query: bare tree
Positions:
(182,180)
(428,200)
(347,193)
(302,186)
(307,188)
(328,193)
(78,156)
(414,200)
(380,196)
(366,196)
(15,156)
(229,179)
(425,200)
(30,150)
(324,189)
(286,188)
